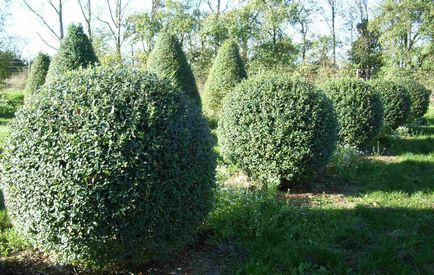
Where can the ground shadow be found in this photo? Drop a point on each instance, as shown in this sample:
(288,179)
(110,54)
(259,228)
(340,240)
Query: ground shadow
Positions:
(422,145)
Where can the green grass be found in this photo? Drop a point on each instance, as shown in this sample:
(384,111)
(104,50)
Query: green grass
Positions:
(371,215)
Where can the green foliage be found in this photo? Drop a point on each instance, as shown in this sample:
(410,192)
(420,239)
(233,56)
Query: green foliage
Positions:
(359,110)
(227,71)
(279,131)
(167,60)
(38,72)
(75,52)
(396,102)
(108,165)
(366,51)
(419,95)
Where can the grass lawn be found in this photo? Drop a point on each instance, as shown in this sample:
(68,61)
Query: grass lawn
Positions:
(366,214)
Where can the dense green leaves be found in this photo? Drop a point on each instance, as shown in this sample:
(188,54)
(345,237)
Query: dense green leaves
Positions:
(108,164)
(167,60)
(277,130)
(38,72)
(227,71)
(359,110)
(419,97)
(75,52)
(396,102)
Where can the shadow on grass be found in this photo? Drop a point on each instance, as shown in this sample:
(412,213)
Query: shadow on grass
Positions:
(421,145)
(283,239)
(368,176)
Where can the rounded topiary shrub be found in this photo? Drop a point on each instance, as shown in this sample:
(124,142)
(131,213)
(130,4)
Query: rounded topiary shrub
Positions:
(38,72)
(168,60)
(279,131)
(75,52)
(419,95)
(396,102)
(226,72)
(108,164)
(359,110)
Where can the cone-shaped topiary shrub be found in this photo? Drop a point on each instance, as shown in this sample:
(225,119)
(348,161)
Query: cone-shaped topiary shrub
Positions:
(419,97)
(38,72)
(108,164)
(279,131)
(168,60)
(75,51)
(226,72)
(396,102)
(359,110)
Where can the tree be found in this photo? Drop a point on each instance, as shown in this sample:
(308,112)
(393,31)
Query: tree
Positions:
(117,23)
(366,51)
(38,72)
(74,52)
(226,72)
(333,6)
(168,60)
(58,9)
(403,26)
(86,11)
(303,18)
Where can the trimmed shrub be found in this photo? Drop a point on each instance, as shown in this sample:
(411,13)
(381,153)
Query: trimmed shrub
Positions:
(226,72)
(396,102)
(75,52)
(279,131)
(168,60)
(359,110)
(38,72)
(419,97)
(95,175)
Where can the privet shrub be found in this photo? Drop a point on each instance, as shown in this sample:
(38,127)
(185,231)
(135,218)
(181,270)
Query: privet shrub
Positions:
(167,60)
(419,97)
(38,72)
(396,102)
(359,110)
(108,164)
(279,131)
(226,72)
(75,51)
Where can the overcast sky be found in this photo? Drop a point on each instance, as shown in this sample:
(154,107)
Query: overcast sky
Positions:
(26,26)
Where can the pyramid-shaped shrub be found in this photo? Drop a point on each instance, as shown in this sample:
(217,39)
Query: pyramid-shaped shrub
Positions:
(168,60)
(226,72)
(75,51)
(38,72)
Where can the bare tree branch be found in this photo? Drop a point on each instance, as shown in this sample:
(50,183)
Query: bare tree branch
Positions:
(42,19)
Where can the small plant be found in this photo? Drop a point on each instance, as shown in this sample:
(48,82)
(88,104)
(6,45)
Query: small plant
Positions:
(227,71)
(38,72)
(359,110)
(344,160)
(75,52)
(94,175)
(168,60)
(278,131)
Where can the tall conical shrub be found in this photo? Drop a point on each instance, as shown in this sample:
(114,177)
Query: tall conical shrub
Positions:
(75,51)
(167,60)
(226,72)
(38,72)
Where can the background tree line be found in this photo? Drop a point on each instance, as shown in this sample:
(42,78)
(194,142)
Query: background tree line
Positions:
(315,39)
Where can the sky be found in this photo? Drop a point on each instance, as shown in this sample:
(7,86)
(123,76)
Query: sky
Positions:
(23,24)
